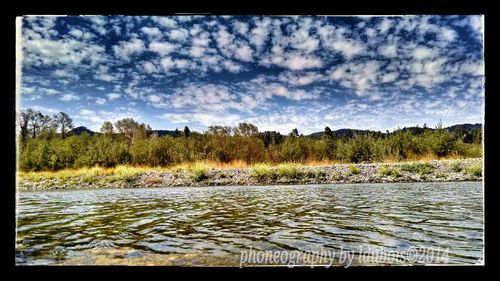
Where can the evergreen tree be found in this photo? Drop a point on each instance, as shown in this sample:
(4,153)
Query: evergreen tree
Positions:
(187,132)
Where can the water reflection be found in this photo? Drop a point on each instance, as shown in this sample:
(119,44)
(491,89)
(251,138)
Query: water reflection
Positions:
(218,222)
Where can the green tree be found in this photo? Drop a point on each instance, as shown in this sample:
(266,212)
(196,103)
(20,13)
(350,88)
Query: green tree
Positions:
(177,133)
(187,132)
(328,132)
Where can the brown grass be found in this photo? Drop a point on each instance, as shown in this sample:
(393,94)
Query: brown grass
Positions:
(422,157)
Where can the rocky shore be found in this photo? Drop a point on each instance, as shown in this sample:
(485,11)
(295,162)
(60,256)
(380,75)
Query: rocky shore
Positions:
(422,171)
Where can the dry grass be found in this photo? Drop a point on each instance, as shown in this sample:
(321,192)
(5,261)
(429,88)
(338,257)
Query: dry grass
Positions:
(315,163)
(236,164)
(422,157)
(66,174)
(390,159)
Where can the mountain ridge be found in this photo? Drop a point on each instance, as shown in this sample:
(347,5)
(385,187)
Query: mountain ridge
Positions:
(344,132)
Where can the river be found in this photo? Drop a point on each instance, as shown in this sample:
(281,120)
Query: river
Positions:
(213,226)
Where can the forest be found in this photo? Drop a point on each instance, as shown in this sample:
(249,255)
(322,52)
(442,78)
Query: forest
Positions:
(49,143)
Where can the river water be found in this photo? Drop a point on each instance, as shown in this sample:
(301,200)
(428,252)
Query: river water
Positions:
(213,226)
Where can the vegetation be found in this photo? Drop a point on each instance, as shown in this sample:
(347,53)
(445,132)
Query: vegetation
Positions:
(421,168)
(387,171)
(262,171)
(47,143)
(199,172)
(354,170)
(476,170)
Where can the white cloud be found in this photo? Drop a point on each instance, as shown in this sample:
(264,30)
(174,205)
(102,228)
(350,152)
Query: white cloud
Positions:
(197,51)
(162,48)
(125,49)
(151,31)
(260,33)
(389,77)
(300,79)
(448,34)
(389,51)
(240,27)
(207,96)
(100,101)
(155,98)
(349,48)
(113,96)
(422,52)
(166,22)
(76,33)
(69,97)
(179,34)
(94,119)
(149,67)
(69,52)
(244,53)
(232,66)
(205,119)
(167,63)
(384,25)
(298,62)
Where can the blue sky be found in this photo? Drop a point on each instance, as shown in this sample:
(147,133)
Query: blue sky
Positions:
(276,72)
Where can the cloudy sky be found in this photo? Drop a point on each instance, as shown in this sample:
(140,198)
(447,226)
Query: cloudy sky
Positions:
(276,72)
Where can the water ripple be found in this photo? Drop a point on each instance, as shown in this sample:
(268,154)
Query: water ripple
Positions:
(222,221)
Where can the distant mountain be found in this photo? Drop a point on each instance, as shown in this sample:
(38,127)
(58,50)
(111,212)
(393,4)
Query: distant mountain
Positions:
(467,127)
(79,130)
(341,133)
(350,132)
(164,132)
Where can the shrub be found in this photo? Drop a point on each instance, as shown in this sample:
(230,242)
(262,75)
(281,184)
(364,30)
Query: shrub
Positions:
(357,149)
(475,170)
(263,171)
(199,172)
(456,167)
(421,168)
(289,170)
(387,171)
(354,170)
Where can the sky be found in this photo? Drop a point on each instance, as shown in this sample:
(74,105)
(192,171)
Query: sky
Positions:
(279,72)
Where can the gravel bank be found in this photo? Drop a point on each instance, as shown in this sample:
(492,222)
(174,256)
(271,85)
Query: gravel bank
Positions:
(430,171)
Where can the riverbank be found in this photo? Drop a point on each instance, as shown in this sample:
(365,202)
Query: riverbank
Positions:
(260,174)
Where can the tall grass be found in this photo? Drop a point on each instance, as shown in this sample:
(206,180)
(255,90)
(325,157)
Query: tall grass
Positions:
(262,171)
(198,171)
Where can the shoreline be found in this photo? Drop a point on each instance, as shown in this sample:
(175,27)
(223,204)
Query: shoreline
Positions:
(262,174)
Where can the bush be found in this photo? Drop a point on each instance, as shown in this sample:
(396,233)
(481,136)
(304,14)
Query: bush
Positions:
(263,171)
(289,170)
(475,170)
(199,172)
(421,168)
(386,171)
(357,149)
(456,167)
(354,170)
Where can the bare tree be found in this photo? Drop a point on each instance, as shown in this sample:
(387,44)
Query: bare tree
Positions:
(132,129)
(26,117)
(63,122)
(219,130)
(107,128)
(246,130)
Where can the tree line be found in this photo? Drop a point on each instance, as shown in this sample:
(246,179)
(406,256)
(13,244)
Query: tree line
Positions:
(46,143)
